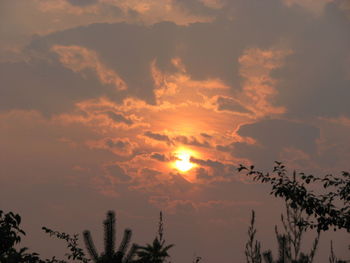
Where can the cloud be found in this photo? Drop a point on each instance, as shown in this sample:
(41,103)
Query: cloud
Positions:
(160,157)
(191,141)
(230,104)
(117,117)
(43,86)
(157,136)
(79,59)
(345,6)
(315,77)
(272,137)
(82,2)
(207,136)
(214,170)
(258,85)
(333,145)
(99,101)
(119,146)
(117,174)
(314,6)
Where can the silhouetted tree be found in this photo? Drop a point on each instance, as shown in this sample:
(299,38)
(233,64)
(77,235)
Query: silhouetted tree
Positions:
(285,247)
(252,248)
(288,243)
(197,259)
(110,256)
(333,258)
(330,209)
(10,235)
(10,231)
(160,227)
(157,252)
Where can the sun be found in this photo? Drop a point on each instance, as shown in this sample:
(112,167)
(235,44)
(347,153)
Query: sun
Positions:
(183,160)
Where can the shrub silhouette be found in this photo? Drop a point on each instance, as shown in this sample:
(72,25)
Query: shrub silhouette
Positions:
(110,255)
(331,209)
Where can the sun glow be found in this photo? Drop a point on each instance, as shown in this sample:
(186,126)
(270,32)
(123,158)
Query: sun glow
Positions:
(183,160)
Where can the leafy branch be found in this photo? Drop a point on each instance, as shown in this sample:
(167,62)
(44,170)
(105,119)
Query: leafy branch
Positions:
(294,190)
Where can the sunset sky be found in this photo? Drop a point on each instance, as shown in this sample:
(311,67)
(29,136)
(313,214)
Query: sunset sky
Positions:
(145,105)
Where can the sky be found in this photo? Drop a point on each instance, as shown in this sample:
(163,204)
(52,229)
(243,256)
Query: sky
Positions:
(139,106)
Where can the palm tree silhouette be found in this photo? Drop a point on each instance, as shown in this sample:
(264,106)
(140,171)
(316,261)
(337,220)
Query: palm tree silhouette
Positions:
(110,256)
(153,253)
(156,252)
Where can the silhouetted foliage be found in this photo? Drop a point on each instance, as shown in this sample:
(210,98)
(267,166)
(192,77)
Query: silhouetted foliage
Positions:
(76,253)
(333,258)
(10,232)
(285,255)
(10,235)
(294,190)
(157,252)
(160,227)
(110,256)
(288,243)
(252,248)
(295,228)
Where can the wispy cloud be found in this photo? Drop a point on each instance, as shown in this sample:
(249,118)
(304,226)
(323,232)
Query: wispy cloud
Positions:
(80,59)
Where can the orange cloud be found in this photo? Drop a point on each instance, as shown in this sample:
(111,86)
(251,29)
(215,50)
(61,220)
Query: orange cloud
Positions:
(80,59)
(185,109)
(258,85)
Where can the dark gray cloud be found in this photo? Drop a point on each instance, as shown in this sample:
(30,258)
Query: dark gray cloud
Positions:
(128,49)
(82,2)
(311,78)
(208,50)
(202,174)
(315,79)
(117,172)
(272,137)
(196,7)
(230,105)
(191,141)
(118,117)
(207,136)
(157,136)
(217,168)
(160,157)
(120,144)
(47,87)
